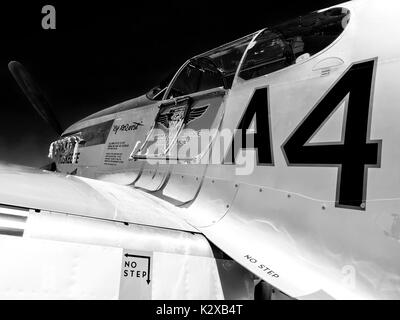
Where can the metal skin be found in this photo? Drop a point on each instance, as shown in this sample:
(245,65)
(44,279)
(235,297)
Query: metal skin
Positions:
(65,237)
(281,222)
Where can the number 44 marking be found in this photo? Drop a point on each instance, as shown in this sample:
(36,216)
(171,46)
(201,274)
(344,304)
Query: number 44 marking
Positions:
(354,155)
(357,153)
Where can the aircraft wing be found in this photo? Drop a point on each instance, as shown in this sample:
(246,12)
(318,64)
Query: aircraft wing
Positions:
(265,246)
(43,190)
(67,237)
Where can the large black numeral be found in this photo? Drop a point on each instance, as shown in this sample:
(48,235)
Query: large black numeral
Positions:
(356,153)
(259,107)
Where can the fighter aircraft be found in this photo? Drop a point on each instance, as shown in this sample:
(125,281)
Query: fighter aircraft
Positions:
(265,168)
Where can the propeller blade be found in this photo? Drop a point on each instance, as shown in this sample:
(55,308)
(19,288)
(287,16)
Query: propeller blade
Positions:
(34,95)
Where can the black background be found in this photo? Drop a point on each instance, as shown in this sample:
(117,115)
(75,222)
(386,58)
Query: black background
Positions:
(104,53)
